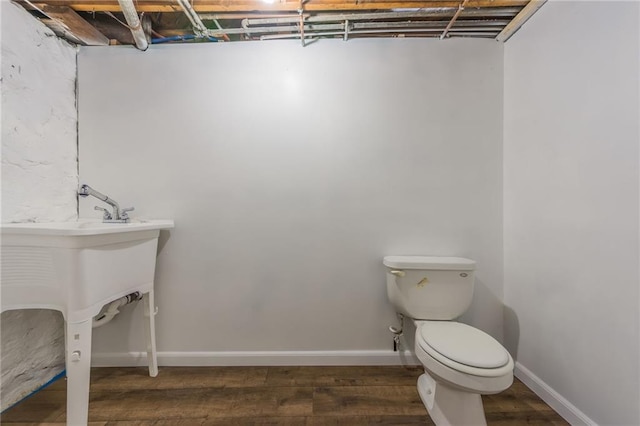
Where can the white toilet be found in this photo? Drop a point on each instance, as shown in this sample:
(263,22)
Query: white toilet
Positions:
(460,362)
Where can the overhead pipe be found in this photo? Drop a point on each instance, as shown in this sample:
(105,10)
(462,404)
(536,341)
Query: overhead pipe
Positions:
(199,27)
(461,7)
(224,36)
(301,25)
(193,17)
(487,34)
(345,23)
(340,17)
(133,21)
(398,27)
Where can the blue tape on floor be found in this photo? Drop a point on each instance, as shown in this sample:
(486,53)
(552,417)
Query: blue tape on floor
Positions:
(55,378)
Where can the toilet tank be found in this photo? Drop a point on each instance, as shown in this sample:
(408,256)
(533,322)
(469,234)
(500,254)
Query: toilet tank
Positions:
(430,288)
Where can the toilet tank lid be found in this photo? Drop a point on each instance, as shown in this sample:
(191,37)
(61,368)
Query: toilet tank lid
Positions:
(430,263)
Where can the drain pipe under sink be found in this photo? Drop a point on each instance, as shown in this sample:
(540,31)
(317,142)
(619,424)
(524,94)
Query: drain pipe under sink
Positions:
(111,309)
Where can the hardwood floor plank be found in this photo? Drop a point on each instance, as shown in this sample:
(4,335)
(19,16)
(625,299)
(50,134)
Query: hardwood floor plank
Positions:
(288,396)
(176,404)
(40,407)
(344,376)
(258,421)
(370,420)
(519,402)
(49,423)
(223,421)
(177,378)
(172,422)
(367,401)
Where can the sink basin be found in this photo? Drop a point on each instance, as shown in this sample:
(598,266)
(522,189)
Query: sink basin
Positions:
(83,227)
(77,268)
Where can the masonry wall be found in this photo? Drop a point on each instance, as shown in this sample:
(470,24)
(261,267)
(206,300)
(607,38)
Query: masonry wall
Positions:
(39,178)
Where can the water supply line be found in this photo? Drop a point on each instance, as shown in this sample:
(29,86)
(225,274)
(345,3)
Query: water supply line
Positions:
(454,19)
(199,28)
(133,21)
(111,310)
(397,332)
(389,17)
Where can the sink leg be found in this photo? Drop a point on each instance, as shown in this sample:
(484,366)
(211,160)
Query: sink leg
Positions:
(78,362)
(150,329)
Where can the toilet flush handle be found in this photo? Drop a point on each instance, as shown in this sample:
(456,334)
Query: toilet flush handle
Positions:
(397,273)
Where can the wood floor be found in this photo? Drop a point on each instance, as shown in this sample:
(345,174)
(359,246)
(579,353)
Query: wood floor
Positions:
(349,396)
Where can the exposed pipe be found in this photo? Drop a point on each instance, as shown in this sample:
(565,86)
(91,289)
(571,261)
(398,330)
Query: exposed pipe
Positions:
(224,36)
(389,27)
(454,19)
(133,21)
(172,38)
(490,26)
(306,26)
(354,32)
(301,25)
(198,26)
(111,310)
(184,37)
(508,12)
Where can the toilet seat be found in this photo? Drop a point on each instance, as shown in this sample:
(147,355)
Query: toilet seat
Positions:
(464,348)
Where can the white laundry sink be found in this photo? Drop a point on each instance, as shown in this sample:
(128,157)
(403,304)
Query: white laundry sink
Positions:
(83,227)
(77,268)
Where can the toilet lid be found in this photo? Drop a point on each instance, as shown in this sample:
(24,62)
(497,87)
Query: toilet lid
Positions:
(464,344)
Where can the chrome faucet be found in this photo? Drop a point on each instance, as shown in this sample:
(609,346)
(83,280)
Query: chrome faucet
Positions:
(117,216)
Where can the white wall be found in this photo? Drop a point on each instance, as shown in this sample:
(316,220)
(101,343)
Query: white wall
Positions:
(571,207)
(290,173)
(39,178)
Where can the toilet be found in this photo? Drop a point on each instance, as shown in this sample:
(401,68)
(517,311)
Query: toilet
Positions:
(461,363)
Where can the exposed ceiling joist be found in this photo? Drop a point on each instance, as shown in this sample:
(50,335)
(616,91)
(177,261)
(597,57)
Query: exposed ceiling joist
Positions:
(522,17)
(211,6)
(70,21)
(189,21)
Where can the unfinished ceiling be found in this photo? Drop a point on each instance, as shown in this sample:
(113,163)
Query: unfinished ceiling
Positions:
(140,22)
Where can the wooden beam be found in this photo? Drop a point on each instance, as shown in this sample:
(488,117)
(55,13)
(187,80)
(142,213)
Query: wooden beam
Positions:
(211,6)
(519,20)
(83,31)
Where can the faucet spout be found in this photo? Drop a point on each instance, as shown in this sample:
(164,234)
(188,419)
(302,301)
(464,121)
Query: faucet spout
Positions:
(85,190)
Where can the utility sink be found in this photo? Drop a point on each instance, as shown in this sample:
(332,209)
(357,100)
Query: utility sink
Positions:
(77,268)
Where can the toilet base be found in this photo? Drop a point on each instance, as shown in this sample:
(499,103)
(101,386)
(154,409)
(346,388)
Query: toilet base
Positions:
(448,406)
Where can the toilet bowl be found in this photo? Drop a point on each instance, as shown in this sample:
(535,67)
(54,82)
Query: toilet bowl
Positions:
(461,363)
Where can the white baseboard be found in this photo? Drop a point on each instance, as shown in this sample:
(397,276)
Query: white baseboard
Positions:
(269,358)
(567,410)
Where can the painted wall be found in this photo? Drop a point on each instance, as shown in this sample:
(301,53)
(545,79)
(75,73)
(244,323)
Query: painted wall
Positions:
(39,178)
(571,207)
(290,173)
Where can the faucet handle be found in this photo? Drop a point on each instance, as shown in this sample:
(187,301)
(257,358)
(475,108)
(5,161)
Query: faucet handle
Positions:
(124,212)
(106,215)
